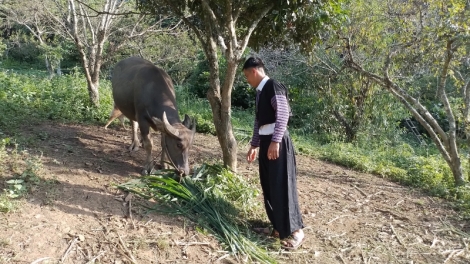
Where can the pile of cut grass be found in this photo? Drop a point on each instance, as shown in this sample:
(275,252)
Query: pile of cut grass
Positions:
(215,199)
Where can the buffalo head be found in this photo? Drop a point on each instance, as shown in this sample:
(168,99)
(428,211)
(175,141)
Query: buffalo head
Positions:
(176,142)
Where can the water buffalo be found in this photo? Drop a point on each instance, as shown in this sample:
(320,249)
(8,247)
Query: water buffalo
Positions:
(144,93)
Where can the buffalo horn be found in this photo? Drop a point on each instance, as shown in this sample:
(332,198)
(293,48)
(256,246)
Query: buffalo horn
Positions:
(169,128)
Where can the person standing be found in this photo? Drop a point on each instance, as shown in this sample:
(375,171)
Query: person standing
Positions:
(277,164)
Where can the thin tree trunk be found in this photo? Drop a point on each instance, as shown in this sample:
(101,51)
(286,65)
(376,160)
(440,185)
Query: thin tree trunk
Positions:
(348,129)
(49,67)
(466,108)
(453,150)
(94,94)
(230,157)
(223,127)
(91,78)
(221,108)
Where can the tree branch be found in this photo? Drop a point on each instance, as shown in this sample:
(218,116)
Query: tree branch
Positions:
(230,25)
(451,143)
(98,13)
(196,30)
(214,25)
(252,27)
(84,16)
(424,118)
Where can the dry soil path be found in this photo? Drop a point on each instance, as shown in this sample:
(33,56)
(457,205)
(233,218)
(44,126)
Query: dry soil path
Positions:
(77,216)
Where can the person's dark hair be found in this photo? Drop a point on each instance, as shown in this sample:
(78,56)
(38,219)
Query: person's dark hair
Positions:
(253,62)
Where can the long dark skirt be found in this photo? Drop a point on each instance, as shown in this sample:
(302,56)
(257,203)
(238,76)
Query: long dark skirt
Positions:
(279,184)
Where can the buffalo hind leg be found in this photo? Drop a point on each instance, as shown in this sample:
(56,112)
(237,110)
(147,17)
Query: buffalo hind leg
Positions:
(135,137)
(116,113)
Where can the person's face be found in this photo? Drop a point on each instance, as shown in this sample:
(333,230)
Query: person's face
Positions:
(251,75)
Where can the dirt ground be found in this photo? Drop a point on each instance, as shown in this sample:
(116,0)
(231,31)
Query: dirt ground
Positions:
(78,216)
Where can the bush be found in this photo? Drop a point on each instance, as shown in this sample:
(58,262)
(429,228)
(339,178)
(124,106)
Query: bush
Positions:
(243,96)
(65,98)
(420,166)
(26,52)
(197,108)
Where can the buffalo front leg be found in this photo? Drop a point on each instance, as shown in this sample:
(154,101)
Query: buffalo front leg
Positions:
(135,137)
(165,160)
(148,145)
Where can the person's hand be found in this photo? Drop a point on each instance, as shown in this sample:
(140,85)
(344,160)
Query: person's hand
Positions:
(273,151)
(251,155)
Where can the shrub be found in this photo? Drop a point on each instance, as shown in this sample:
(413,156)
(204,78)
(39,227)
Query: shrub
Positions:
(243,96)
(65,98)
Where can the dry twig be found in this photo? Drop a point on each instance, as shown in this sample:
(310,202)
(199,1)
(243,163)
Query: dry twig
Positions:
(286,252)
(148,222)
(40,260)
(336,218)
(366,261)
(357,188)
(397,216)
(97,256)
(434,241)
(397,236)
(453,253)
(74,241)
(223,257)
(399,202)
(341,258)
(130,210)
(191,243)
(453,229)
(374,194)
(126,249)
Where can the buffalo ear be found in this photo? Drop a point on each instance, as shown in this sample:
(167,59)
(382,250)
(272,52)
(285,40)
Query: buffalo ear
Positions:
(190,123)
(187,121)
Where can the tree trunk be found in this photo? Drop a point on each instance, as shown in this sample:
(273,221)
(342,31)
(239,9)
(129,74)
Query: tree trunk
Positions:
(456,167)
(220,101)
(49,68)
(230,143)
(445,142)
(94,93)
(223,127)
(92,81)
(349,130)
(451,139)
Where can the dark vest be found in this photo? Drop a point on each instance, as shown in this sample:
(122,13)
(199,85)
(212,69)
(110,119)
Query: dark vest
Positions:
(264,110)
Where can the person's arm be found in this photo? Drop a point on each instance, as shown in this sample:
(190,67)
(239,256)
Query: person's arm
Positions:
(280,105)
(251,155)
(255,138)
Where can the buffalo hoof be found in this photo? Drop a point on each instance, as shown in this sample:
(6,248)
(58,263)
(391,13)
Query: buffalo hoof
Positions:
(148,169)
(134,147)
